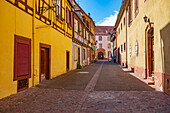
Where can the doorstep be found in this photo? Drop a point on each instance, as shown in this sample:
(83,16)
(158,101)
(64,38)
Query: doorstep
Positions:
(148,81)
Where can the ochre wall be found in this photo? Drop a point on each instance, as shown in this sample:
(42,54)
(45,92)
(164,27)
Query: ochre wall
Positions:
(14,21)
(158,11)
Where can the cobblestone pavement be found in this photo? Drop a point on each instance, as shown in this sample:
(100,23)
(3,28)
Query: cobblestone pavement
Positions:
(98,88)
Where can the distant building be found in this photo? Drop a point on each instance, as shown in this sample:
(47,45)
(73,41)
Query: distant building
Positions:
(103,43)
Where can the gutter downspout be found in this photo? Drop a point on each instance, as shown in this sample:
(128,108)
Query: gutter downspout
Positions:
(33,40)
(126,39)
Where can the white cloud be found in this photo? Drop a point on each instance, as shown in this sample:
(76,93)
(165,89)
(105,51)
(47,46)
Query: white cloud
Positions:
(108,21)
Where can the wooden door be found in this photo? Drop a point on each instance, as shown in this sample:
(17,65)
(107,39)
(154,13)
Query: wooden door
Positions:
(150,54)
(44,63)
(79,55)
(67,60)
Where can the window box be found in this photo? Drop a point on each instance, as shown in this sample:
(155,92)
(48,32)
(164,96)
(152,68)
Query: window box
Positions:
(69,26)
(60,20)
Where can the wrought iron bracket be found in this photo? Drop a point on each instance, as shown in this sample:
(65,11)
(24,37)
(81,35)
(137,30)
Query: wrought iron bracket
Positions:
(45,9)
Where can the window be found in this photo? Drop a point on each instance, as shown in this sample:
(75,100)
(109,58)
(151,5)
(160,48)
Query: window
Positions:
(100,38)
(124,21)
(136,7)
(59,9)
(121,48)
(130,11)
(22,56)
(121,26)
(75,53)
(108,38)
(69,16)
(136,48)
(109,46)
(100,45)
(109,54)
(119,30)
(124,46)
(130,50)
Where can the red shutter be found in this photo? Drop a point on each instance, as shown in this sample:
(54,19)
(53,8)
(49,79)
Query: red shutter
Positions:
(67,15)
(22,59)
(72,18)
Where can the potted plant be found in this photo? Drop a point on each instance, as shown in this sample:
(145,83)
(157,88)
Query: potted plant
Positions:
(79,66)
(69,25)
(59,18)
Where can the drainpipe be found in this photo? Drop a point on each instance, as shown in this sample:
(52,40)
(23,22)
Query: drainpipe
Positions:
(33,40)
(126,39)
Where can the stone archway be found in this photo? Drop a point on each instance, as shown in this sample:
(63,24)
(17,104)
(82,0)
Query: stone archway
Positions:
(100,54)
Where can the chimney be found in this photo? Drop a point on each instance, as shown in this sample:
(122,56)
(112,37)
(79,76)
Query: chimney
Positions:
(89,14)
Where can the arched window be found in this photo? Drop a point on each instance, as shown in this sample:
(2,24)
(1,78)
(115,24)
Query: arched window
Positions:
(136,48)
(130,50)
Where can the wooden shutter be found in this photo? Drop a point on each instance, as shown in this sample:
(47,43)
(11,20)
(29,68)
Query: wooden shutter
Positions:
(22,58)
(67,15)
(71,18)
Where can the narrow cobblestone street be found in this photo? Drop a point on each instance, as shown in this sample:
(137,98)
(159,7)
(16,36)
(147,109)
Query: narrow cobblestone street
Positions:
(102,87)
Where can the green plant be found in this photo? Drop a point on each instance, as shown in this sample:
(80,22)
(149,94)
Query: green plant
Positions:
(91,43)
(59,16)
(79,31)
(79,66)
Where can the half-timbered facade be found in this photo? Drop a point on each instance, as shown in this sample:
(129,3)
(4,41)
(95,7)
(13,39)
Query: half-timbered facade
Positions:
(83,38)
(36,42)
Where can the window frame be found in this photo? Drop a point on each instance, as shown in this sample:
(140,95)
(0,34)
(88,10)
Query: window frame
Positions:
(101,45)
(100,37)
(26,41)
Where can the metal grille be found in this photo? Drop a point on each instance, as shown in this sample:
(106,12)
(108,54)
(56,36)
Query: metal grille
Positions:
(22,84)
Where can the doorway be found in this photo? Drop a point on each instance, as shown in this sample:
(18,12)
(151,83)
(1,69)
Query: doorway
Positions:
(100,55)
(45,62)
(67,60)
(150,52)
(78,54)
(119,61)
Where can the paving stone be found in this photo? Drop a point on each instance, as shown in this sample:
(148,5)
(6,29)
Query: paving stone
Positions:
(51,98)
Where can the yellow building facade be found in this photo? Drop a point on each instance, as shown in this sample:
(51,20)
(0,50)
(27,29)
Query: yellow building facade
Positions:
(143,25)
(35,44)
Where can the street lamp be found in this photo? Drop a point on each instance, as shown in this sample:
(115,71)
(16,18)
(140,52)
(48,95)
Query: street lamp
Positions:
(44,9)
(146,19)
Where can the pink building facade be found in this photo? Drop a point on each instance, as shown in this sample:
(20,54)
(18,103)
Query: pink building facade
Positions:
(103,43)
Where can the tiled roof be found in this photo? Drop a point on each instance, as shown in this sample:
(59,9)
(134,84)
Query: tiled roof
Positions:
(103,30)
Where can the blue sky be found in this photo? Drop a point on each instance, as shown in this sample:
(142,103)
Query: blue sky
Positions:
(103,12)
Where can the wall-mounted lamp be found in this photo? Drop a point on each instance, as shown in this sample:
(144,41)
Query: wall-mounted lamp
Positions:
(146,19)
(44,9)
